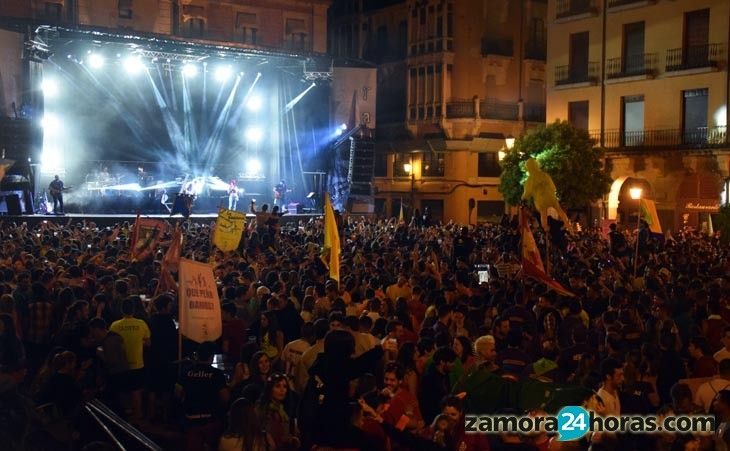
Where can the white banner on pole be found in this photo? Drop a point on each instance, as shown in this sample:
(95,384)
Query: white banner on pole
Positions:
(200,307)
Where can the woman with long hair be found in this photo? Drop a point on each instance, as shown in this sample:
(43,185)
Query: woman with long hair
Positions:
(259,369)
(271,338)
(244,432)
(276,418)
(464,350)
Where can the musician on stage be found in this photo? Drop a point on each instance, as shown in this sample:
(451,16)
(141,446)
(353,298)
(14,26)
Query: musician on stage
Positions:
(232,194)
(56,190)
(280,191)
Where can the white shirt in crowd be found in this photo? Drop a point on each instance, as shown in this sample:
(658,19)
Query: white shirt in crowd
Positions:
(706,392)
(721,355)
(612,403)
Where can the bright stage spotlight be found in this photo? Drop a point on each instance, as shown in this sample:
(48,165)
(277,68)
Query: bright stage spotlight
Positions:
(253,167)
(50,123)
(51,161)
(343,127)
(49,87)
(96,61)
(254,103)
(254,134)
(133,65)
(338,132)
(190,70)
(223,73)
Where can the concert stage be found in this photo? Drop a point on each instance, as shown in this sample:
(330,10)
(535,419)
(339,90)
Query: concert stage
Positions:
(108,220)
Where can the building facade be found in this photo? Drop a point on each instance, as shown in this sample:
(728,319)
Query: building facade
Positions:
(649,80)
(296,25)
(456,79)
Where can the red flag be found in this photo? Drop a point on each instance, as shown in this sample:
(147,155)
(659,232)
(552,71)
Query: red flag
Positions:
(172,257)
(171,261)
(531,260)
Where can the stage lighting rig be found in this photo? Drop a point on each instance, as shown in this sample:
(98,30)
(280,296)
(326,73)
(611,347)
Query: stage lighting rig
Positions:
(318,72)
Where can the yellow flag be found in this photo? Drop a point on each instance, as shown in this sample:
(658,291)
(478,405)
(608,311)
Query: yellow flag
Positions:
(649,214)
(710,227)
(401,218)
(228,229)
(331,238)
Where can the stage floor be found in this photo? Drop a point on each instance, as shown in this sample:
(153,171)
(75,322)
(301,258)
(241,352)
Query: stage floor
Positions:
(105,220)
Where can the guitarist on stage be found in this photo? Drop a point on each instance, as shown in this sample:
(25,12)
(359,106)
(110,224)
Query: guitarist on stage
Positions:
(280,192)
(56,190)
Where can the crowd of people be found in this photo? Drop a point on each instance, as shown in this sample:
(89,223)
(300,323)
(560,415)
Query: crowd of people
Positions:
(391,357)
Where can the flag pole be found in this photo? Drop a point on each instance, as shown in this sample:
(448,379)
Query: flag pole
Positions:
(179,334)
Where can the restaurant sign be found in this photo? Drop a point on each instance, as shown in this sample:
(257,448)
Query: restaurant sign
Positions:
(706,206)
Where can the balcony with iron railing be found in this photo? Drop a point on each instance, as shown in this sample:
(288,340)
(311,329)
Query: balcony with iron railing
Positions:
(498,46)
(460,108)
(573,74)
(631,65)
(662,139)
(693,57)
(570,8)
(495,109)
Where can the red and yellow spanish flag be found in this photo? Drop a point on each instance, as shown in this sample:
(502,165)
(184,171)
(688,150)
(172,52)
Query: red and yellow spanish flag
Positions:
(532,262)
(331,239)
(649,214)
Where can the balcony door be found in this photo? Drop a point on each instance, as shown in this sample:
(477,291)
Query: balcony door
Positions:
(694,116)
(579,56)
(632,121)
(633,50)
(696,38)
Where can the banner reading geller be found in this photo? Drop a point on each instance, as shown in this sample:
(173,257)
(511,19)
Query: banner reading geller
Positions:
(574,422)
(200,308)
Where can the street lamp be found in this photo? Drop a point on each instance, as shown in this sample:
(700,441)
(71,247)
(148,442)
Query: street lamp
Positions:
(408,168)
(635,194)
(509,141)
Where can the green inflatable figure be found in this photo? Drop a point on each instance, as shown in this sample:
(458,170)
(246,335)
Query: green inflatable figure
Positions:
(540,188)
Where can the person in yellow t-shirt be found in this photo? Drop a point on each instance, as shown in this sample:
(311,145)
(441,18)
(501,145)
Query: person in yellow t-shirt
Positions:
(136,335)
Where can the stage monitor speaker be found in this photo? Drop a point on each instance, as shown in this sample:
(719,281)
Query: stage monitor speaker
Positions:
(13,203)
(294,208)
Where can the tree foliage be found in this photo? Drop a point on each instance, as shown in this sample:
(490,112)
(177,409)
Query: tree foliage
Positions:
(564,152)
